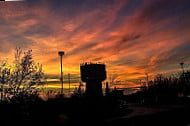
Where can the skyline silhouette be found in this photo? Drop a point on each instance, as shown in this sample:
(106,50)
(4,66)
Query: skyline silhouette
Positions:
(162,100)
(95,62)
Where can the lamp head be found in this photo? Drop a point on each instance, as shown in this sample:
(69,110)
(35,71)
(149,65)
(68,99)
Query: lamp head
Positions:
(181,63)
(61,53)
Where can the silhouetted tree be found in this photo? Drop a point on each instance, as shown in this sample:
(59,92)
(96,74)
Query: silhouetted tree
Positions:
(23,74)
(185,82)
(165,89)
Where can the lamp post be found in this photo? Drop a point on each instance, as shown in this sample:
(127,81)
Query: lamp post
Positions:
(183,74)
(61,53)
(181,64)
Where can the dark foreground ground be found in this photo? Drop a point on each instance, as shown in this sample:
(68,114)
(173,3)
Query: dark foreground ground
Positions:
(167,115)
(67,112)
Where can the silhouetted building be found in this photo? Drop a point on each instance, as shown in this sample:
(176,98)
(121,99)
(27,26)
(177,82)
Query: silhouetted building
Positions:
(93,75)
(107,90)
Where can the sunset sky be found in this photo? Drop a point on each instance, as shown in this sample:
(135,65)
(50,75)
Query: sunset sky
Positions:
(132,37)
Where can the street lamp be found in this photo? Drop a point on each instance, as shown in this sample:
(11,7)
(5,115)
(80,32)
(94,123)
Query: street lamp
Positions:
(181,64)
(61,53)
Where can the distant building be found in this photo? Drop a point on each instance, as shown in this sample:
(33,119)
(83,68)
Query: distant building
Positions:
(107,89)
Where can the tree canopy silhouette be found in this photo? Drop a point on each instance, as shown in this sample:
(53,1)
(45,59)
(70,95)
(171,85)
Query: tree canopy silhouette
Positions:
(23,74)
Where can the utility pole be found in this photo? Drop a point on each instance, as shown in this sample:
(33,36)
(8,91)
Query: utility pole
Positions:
(61,53)
(69,81)
(147,79)
(140,81)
